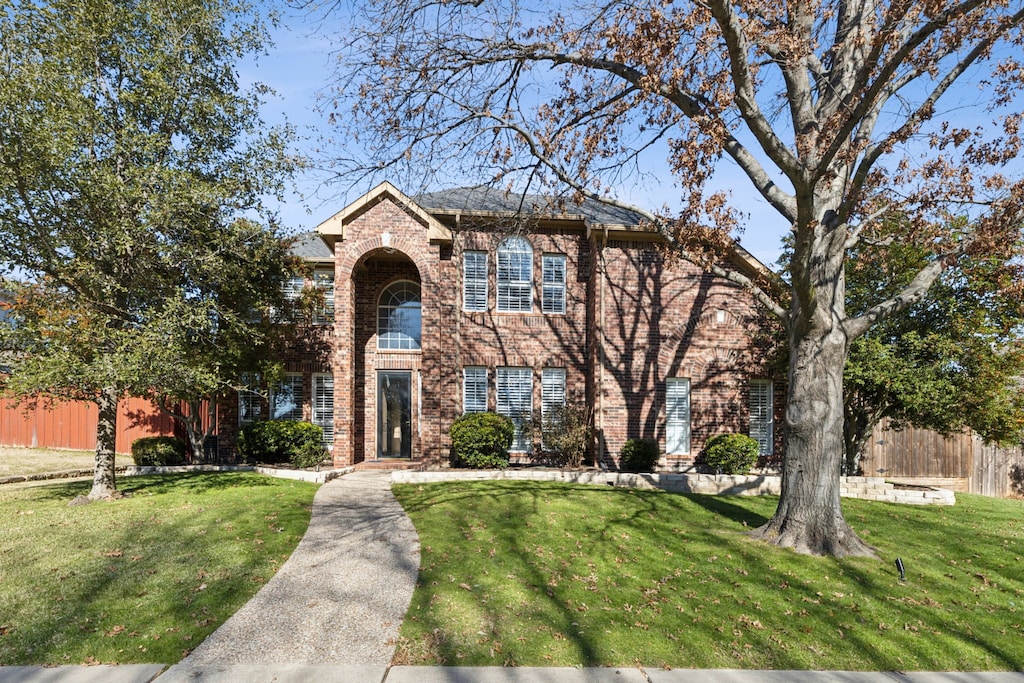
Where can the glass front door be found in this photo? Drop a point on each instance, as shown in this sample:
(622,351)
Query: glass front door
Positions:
(394,414)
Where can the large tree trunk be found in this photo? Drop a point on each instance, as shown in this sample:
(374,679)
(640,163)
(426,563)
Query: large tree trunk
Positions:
(809,518)
(103,483)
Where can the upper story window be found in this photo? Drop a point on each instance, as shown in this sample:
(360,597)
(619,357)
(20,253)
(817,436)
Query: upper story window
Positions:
(399,320)
(474,281)
(553,295)
(323,278)
(515,275)
(291,292)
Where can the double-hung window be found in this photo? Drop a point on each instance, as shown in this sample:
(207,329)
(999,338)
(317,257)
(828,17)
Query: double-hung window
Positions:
(286,398)
(323,406)
(323,278)
(474,390)
(291,291)
(515,401)
(474,281)
(552,398)
(515,275)
(250,402)
(677,416)
(762,408)
(553,276)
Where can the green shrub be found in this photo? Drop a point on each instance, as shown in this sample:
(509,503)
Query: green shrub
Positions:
(567,434)
(481,440)
(730,453)
(280,441)
(639,455)
(158,451)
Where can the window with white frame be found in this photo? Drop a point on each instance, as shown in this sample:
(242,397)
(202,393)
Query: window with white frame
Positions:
(677,416)
(250,401)
(474,390)
(552,393)
(399,321)
(323,406)
(515,275)
(515,400)
(291,289)
(323,278)
(553,277)
(286,398)
(552,398)
(474,281)
(762,410)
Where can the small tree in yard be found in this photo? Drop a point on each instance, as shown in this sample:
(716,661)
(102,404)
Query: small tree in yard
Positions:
(132,174)
(838,114)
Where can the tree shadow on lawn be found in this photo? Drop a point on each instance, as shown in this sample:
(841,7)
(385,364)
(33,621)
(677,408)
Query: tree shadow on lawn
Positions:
(105,592)
(724,507)
(154,484)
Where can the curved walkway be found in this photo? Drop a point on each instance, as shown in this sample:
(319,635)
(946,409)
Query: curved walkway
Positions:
(341,596)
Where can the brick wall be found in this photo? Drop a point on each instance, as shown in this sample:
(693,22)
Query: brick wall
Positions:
(633,319)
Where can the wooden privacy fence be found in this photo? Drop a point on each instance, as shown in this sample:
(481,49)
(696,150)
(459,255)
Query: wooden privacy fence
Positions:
(72,424)
(961,462)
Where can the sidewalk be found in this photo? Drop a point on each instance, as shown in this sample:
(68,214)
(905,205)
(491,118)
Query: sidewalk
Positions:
(297,673)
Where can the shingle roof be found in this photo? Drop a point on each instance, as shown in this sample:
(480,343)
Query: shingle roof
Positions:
(310,246)
(489,199)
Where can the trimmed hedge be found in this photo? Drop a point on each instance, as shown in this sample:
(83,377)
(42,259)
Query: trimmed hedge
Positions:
(639,455)
(280,441)
(158,451)
(730,453)
(481,440)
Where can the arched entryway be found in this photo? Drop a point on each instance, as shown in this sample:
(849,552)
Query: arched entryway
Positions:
(387,357)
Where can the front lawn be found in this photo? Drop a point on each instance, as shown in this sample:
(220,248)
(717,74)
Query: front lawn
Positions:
(141,579)
(15,460)
(528,574)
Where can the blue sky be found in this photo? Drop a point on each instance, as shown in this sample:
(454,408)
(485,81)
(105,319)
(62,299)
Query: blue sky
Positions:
(299,66)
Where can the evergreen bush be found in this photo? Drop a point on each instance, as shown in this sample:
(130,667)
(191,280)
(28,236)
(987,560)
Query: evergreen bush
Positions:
(280,441)
(482,440)
(158,451)
(639,455)
(730,453)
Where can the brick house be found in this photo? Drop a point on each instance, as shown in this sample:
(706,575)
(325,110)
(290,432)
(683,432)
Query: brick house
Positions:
(471,299)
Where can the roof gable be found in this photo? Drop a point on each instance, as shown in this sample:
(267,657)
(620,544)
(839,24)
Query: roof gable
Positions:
(334,228)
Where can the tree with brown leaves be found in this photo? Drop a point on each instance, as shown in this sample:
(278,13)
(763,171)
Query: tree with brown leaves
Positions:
(823,106)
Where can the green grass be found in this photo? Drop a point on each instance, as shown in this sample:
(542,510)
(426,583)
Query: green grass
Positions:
(141,579)
(15,460)
(517,573)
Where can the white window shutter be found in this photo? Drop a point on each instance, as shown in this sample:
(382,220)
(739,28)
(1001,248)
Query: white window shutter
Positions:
(677,415)
(762,411)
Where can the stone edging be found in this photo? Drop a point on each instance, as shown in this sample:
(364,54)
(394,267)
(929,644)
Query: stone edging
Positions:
(136,470)
(868,488)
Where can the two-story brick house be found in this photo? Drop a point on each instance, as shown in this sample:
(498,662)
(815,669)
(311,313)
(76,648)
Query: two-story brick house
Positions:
(471,300)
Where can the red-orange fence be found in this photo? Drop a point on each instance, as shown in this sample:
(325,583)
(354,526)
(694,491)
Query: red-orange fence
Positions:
(72,424)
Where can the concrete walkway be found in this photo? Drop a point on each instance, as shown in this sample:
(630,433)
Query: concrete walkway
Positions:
(341,596)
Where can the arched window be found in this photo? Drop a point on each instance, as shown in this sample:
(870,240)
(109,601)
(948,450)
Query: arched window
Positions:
(398,317)
(515,275)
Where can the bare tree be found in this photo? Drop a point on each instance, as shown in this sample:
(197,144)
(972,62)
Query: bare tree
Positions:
(822,106)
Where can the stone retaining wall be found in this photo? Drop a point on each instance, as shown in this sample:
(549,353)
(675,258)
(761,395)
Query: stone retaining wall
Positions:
(868,488)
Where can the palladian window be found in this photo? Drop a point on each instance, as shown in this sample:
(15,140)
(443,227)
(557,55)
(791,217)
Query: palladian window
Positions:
(398,317)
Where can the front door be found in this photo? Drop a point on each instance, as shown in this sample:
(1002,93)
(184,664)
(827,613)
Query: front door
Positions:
(394,414)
